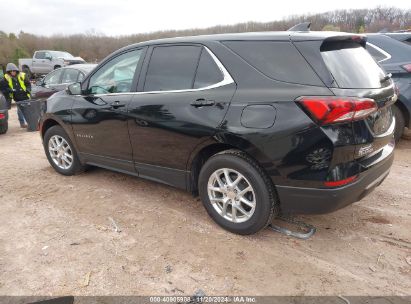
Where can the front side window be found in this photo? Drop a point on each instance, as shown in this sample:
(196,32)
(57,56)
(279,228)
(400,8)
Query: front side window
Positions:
(172,68)
(53,77)
(117,75)
(69,76)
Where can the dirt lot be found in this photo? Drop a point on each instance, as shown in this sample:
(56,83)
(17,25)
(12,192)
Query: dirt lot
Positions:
(56,237)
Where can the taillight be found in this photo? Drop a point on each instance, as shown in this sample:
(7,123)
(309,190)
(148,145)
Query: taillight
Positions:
(341,182)
(2,116)
(407,67)
(332,109)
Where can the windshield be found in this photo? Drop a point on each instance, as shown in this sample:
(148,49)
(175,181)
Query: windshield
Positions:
(64,55)
(351,65)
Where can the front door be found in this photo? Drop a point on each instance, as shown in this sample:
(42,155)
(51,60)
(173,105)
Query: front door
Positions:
(99,117)
(183,99)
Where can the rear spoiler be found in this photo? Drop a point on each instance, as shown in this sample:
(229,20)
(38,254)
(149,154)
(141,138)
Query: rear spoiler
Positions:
(301,27)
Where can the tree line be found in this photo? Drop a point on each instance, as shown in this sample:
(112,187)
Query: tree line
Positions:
(93,47)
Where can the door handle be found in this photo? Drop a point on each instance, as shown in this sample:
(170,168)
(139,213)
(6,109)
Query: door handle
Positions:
(201,102)
(117,104)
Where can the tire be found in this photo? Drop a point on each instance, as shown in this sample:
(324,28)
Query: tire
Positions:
(266,203)
(57,67)
(399,123)
(53,137)
(4,126)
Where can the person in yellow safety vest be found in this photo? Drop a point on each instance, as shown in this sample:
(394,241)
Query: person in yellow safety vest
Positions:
(16,86)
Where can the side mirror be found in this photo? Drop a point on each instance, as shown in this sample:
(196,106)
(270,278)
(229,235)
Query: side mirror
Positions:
(48,57)
(74,88)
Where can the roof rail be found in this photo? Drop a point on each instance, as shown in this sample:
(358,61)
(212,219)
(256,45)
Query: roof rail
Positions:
(301,27)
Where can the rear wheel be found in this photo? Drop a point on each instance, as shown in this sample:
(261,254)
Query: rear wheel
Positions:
(60,152)
(237,193)
(4,126)
(399,123)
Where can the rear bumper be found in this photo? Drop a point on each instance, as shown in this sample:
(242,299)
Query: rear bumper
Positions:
(317,201)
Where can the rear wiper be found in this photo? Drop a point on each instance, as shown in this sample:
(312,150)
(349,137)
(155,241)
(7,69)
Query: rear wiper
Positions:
(386,77)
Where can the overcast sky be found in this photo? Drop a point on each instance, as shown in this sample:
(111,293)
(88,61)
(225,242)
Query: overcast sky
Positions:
(122,17)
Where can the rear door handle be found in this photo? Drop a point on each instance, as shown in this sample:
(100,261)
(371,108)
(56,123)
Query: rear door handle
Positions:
(117,104)
(201,102)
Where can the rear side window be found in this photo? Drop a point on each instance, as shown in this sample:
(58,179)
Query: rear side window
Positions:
(172,68)
(208,73)
(351,65)
(279,60)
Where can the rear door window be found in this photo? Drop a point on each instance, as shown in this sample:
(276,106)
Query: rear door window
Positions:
(351,65)
(279,60)
(172,68)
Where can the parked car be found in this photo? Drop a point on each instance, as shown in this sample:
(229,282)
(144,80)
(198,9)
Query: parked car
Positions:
(60,79)
(395,57)
(45,61)
(255,123)
(404,37)
(4,115)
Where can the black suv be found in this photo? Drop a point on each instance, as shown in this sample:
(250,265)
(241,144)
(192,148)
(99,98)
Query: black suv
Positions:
(255,123)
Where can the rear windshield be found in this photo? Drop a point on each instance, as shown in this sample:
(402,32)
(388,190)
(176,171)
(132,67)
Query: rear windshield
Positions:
(351,65)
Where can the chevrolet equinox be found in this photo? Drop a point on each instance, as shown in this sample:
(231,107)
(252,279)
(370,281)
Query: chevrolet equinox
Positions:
(256,124)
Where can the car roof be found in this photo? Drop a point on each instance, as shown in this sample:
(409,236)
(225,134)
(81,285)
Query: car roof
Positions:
(277,36)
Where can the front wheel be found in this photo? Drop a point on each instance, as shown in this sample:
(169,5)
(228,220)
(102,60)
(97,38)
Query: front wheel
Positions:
(237,193)
(60,151)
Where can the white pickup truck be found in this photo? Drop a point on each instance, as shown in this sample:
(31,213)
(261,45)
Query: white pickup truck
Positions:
(45,61)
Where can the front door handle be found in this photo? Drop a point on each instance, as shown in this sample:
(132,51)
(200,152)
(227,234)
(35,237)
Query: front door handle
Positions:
(201,102)
(117,104)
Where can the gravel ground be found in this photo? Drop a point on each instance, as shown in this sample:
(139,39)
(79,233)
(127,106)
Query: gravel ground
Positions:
(57,238)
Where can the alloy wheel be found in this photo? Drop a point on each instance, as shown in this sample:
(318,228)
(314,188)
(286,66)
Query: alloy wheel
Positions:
(231,195)
(60,152)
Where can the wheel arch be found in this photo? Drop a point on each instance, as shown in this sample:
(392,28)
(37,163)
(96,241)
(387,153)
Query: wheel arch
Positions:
(47,124)
(212,147)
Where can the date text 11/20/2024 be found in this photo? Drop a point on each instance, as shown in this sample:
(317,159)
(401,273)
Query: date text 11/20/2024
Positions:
(202,299)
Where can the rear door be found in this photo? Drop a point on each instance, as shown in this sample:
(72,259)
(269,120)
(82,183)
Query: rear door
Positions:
(99,116)
(183,96)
